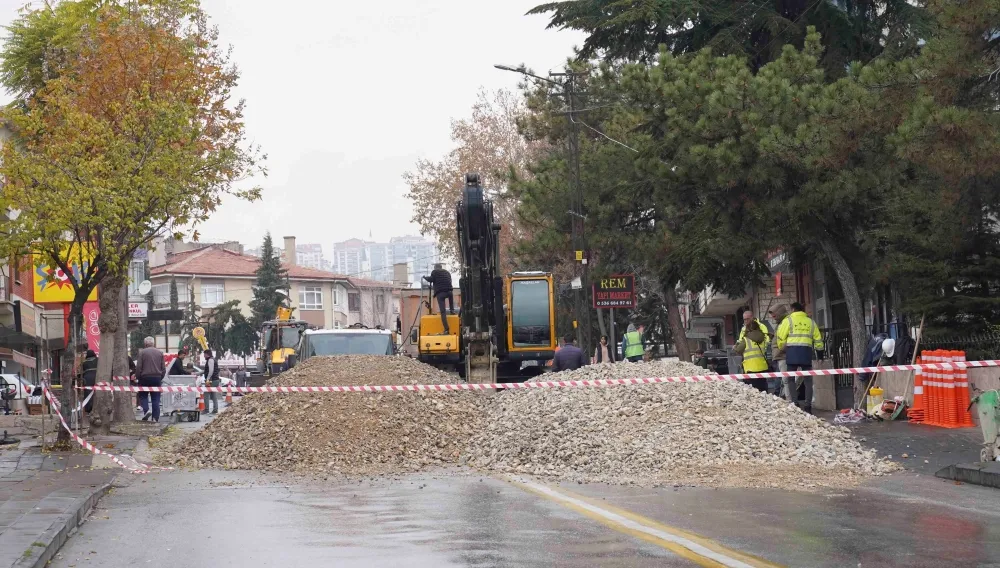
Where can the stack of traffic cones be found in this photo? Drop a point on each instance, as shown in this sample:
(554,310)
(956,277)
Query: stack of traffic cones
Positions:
(946,391)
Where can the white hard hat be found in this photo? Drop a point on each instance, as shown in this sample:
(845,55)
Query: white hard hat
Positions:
(889,347)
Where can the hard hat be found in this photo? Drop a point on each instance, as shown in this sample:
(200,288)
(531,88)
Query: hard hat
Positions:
(889,347)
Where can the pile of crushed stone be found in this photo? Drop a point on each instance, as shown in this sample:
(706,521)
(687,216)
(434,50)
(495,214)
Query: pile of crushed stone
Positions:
(722,433)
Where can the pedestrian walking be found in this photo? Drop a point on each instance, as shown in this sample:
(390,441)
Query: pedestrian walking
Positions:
(632,348)
(751,346)
(241,376)
(570,357)
(149,369)
(440,280)
(89,375)
(211,380)
(799,338)
(604,353)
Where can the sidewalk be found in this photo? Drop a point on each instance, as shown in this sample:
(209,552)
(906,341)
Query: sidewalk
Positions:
(918,448)
(45,496)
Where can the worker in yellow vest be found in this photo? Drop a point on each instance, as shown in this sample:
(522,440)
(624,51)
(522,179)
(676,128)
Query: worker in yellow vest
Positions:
(751,345)
(632,348)
(799,338)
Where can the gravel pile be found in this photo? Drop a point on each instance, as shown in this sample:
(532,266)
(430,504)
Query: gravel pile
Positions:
(349,433)
(723,434)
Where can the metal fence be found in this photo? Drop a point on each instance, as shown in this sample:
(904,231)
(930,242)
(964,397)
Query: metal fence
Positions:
(976,346)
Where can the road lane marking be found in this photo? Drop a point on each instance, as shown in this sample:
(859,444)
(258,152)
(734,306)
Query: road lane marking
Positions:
(698,549)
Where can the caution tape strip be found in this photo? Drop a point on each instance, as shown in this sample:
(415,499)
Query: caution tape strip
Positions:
(551,384)
(140,468)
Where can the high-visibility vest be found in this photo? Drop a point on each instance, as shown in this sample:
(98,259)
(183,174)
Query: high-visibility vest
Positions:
(633,344)
(800,331)
(753,356)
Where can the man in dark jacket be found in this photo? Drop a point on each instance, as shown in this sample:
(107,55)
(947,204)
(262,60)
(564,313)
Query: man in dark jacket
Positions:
(568,358)
(440,280)
(177,366)
(211,380)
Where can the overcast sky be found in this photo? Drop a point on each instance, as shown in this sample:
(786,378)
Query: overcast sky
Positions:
(344,97)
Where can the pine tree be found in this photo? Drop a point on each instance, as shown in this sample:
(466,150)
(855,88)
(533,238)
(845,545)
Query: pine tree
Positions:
(175,326)
(271,278)
(191,321)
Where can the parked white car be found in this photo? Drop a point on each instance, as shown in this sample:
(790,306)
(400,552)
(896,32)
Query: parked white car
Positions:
(20,384)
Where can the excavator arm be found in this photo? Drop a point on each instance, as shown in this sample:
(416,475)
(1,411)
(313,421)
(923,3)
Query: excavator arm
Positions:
(482,317)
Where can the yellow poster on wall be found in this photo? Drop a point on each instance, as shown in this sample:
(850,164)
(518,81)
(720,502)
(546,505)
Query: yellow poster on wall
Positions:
(52,283)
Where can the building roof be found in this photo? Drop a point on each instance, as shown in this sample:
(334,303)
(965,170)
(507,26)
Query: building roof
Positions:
(366,283)
(215,261)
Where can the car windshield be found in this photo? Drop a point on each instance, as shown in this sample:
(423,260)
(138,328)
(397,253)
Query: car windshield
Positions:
(349,344)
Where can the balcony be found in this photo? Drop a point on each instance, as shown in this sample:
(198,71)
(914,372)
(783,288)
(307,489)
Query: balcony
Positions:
(711,303)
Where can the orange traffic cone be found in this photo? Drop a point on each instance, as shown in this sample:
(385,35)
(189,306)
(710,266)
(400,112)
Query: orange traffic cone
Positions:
(201,403)
(229,397)
(918,413)
(962,395)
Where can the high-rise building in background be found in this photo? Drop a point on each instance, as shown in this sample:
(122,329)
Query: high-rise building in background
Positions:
(419,253)
(367,259)
(307,255)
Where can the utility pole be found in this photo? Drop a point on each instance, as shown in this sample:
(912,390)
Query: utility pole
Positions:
(579,234)
(582,307)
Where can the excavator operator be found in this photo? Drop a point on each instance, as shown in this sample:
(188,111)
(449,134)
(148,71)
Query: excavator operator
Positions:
(440,280)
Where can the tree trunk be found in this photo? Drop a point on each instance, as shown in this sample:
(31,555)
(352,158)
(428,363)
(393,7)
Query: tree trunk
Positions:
(123,408)
(109,321)
(67,364)
(600,322)
(855,312)
(676,326)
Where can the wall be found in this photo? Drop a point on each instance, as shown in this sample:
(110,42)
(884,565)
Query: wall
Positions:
(765,298)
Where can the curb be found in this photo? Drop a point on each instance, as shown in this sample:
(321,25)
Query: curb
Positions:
(986,474)
(59,531)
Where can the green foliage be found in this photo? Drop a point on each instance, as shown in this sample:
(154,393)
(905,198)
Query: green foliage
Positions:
(175,326)
(271,278)
(634,31)
(241,337)
(191,321)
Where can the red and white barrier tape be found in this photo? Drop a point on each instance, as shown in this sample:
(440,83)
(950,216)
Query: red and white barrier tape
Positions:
(141,467)
(552,384)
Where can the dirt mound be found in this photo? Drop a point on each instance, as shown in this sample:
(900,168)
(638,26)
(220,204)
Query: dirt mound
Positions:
(351,433)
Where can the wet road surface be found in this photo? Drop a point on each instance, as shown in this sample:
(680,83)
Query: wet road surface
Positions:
(210,518)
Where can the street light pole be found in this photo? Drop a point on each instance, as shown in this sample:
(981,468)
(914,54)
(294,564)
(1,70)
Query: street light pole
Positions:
(582,311)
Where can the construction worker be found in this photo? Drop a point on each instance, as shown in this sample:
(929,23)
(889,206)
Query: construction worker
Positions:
(799,338)
(752,343)
(440,281)
(773,385)
(632,348)
(211,380)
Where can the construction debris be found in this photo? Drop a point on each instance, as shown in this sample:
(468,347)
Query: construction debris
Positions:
(350,433)
(723,433)
(720,433)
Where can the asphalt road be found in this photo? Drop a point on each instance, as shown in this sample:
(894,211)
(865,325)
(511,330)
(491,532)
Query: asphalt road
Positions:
(211,518)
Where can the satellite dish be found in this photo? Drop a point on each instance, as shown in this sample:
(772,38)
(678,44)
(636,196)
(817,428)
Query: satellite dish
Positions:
(145,286)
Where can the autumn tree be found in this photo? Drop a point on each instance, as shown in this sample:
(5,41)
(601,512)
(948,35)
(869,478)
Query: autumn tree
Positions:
(129,134)
(488,143)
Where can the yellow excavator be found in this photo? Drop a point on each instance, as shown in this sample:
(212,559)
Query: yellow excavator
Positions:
(279,342)
(506,326)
